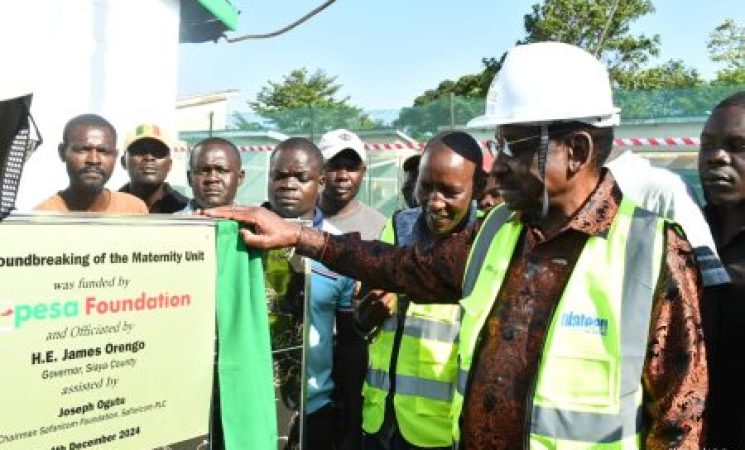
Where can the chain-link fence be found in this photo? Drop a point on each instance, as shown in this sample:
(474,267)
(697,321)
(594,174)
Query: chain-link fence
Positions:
(391,135)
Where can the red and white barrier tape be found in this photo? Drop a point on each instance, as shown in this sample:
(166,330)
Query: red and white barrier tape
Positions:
(621,142)
(656,142)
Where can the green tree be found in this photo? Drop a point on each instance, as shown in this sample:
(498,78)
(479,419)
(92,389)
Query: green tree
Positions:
(306,102)
(452,102)
(676,102)
(423,121)
(726,45)
(729,77)
(670,75)
(472,85)
(601,27)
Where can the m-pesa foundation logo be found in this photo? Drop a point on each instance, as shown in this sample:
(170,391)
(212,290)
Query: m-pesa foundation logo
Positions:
(13,315)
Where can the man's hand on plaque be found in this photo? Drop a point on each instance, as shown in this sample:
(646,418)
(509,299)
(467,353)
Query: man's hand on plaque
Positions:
(262,229)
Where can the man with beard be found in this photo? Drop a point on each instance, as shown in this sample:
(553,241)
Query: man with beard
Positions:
(721,165)
(88,149)
(345,156)
(147,160)
(215,172)
(295,182)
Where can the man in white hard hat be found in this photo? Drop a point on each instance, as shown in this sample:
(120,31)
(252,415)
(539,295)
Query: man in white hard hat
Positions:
(581,325)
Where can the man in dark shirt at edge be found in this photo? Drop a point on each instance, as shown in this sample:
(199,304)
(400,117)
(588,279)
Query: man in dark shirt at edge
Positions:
(554,131)
(721,165)
(147,160)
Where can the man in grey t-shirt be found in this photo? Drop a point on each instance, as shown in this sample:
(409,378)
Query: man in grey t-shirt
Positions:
(344,156)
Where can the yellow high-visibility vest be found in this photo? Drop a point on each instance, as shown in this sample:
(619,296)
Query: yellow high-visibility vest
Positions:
(588,391)
(425,370)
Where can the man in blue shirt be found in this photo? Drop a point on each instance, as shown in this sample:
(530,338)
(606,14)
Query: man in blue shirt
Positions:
(295,181)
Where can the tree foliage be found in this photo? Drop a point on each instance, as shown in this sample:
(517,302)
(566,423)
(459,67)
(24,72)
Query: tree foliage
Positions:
(305,102)
(423,121)
(677,102)
(727,45)
(472,85)
(452,101)
(729,77)
(601,27)
(670,75)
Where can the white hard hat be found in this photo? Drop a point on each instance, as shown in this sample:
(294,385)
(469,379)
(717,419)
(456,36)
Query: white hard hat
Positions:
(549,82)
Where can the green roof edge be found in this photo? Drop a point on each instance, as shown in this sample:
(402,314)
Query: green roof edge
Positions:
(224,11)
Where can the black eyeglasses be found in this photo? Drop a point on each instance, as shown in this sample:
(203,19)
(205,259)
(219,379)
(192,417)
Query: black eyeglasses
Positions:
(499,146)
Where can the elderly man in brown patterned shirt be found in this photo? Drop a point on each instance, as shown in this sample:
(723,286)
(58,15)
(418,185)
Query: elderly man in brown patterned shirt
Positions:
(523,388)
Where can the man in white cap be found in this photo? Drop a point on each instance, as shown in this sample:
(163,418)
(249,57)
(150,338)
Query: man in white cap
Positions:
(581,324)
(344,157)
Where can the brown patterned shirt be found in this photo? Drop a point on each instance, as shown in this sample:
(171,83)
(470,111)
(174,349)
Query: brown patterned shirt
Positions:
(675,375)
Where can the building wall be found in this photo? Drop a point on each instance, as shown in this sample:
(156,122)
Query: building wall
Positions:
(110,57)
(197,117)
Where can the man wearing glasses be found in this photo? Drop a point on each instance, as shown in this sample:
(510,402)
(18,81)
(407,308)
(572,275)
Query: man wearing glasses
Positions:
(581,324)
(89,152)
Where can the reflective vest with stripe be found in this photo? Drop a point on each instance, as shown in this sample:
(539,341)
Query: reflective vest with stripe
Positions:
(426,367)
(588,391)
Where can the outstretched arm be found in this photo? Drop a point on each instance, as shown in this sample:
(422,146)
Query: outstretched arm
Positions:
(431,273)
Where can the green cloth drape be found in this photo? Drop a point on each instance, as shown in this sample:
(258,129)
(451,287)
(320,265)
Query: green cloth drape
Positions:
(244,359)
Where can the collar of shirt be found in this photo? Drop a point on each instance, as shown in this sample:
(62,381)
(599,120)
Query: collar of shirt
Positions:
(317,218)
(594,218)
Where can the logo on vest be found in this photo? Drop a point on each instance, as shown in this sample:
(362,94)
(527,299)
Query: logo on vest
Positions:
(585,323)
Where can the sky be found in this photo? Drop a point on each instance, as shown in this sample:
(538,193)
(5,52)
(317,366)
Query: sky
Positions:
(387,52)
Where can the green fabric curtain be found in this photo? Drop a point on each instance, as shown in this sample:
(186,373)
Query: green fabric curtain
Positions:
(244,358)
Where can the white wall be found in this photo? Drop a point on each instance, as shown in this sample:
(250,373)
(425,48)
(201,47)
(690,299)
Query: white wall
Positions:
(195,116)
(116,58)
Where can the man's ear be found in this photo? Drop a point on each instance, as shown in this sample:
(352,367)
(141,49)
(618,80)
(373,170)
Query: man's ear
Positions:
(61,151)
(581,151)
(123,160)
(321,183)
(241,177)
(188,178)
